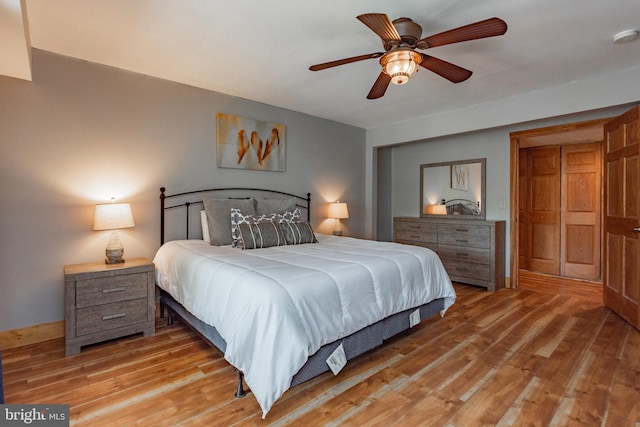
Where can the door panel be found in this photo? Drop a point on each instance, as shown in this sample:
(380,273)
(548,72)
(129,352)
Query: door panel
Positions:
(522,210)
(543,210)
(580,219)
(621,286)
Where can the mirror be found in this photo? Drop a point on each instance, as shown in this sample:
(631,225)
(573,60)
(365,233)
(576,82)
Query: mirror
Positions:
(453,188)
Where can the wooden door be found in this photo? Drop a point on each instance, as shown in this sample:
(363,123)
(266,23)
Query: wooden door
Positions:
(543,210)
(580,219)
(621,269)
(522,210)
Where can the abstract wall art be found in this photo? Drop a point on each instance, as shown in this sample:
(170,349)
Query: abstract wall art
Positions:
(244,143)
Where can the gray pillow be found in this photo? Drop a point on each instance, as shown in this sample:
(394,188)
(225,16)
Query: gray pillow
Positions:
(260,235)
(269,206)
(238,217)
(297,233)
(219,217)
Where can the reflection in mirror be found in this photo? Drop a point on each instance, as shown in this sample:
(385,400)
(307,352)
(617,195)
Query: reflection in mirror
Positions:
(453,188)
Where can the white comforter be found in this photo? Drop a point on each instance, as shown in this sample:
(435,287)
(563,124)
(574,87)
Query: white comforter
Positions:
(277,306)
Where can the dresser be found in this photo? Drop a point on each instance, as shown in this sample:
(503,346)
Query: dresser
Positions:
(472,251)
(107,301)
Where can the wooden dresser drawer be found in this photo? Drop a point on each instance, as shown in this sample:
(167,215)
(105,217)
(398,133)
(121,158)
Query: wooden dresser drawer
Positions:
(472,250)
(110,316)
(105,290)
(415,232)
(465,254)
(477,236)
(457,268)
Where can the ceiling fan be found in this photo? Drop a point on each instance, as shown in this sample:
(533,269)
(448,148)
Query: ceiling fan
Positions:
(402,37)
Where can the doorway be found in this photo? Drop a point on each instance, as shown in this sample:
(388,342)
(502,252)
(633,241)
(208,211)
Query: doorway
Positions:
(561,210)
(552,245)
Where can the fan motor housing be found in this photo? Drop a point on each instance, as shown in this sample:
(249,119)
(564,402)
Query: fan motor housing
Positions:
(409,31)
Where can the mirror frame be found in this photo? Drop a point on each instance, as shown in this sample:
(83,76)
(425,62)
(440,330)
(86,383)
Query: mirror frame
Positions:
(483,174)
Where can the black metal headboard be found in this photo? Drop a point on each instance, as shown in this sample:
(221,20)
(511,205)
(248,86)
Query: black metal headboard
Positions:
(186,199)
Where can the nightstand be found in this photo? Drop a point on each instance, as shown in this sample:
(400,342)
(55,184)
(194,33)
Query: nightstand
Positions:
(103,301)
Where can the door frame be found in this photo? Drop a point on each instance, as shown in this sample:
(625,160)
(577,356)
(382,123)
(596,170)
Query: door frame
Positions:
(571,133)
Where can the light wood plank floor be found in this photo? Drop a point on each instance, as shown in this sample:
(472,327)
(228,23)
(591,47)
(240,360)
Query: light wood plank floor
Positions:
(515,357)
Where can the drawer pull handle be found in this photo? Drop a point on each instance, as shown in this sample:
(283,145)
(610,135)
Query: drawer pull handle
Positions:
(113,316)
(414,227)
(461,254)
(415,236)
(462,229)
(109,291)
(462,240)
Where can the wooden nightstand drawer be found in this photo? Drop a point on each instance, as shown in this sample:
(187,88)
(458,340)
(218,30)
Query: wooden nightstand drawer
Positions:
(110,316)
(465,254)
(107,301)
(105,290)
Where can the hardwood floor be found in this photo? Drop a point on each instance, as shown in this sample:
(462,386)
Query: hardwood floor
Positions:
(560,285)
(514,357)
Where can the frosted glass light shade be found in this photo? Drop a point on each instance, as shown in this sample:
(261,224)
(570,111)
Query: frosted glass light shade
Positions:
(112,216)
(401,64)
(338,210)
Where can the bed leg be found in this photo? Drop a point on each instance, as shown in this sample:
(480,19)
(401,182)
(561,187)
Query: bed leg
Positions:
(240,392)
(169,317)
(162,308)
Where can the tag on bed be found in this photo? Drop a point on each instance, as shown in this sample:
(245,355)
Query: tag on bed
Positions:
(414,318)
(337,360)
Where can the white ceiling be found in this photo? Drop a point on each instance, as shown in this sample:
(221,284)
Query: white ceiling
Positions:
(261,50)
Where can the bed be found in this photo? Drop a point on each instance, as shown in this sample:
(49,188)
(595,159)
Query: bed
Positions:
(284,313)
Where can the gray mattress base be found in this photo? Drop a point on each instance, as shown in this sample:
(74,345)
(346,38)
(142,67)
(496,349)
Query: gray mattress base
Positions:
(354,345)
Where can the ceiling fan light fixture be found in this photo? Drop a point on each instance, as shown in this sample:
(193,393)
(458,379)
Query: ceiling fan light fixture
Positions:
(401,64)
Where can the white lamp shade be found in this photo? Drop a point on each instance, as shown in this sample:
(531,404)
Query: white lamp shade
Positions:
(112,216)
(338,210)
(435,209)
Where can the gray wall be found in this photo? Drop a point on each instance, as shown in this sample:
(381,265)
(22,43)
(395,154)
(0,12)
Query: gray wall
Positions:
(81,133)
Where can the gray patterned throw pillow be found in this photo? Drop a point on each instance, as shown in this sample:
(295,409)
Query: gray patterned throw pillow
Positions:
(261,235)
(238,217)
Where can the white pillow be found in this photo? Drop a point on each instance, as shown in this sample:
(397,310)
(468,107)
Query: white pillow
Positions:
(205,226)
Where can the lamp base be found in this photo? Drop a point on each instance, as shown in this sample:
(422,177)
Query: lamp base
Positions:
(113,256)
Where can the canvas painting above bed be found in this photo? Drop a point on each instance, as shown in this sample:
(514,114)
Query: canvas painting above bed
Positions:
(244,143)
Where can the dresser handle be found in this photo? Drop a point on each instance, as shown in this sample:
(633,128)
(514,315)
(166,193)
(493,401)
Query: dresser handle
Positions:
(462,229)
(462,240)
(461,254)
(108,291)
(414,227)
(113,316)
(415,236)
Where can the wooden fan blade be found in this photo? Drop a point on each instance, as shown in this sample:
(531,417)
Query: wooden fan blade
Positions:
(445,69)
(488,28)
(380,86)
(380,24)
(325,65)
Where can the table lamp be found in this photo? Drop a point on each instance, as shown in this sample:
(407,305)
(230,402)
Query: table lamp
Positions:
(338,211)
(113,216)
